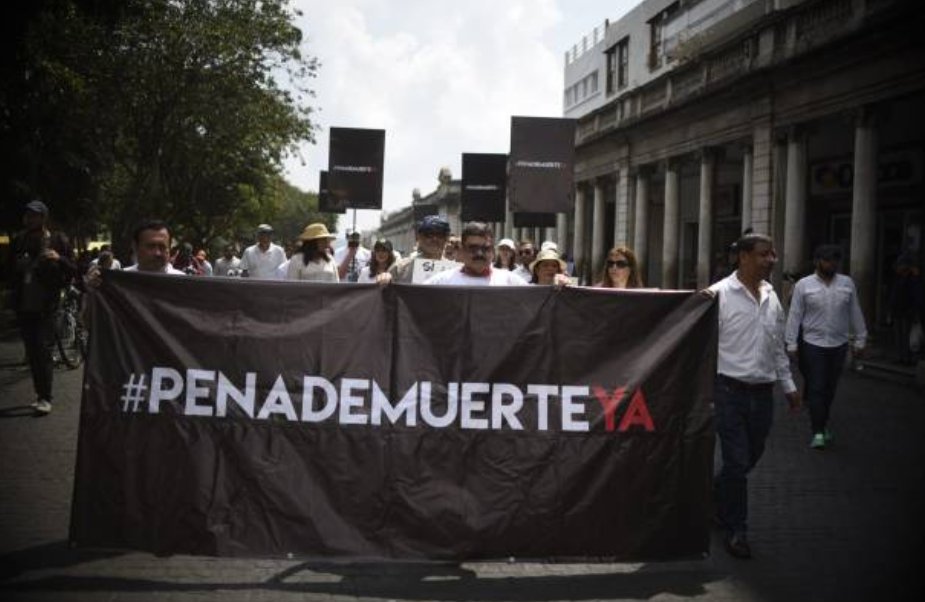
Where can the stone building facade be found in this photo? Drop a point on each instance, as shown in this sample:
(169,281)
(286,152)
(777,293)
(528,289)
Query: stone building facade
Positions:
(802,119)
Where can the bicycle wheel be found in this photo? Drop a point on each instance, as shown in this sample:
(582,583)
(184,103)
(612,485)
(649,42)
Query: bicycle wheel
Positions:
(68,338)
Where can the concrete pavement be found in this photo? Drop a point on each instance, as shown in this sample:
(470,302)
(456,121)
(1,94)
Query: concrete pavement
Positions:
(843,524)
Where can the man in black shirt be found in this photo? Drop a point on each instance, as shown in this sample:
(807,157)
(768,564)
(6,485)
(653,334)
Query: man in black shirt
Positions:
(41,267)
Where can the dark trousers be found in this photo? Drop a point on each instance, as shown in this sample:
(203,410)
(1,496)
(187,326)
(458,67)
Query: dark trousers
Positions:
(821,368)
(36,329)
(743,417)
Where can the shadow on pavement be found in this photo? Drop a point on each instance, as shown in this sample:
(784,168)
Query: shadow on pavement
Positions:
(20,411)
(54,555)
(409,581)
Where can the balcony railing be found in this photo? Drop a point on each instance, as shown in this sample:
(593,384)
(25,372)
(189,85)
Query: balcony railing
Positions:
(587,43)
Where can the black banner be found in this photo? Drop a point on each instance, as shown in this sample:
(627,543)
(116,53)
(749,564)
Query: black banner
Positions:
(355,162)
(326,202)
(542,165)
(250,418)
(484,187)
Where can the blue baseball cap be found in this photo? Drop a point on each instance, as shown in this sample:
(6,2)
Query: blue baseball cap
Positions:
(434,223)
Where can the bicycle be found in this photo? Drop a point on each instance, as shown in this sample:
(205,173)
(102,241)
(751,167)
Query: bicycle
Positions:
(70,333)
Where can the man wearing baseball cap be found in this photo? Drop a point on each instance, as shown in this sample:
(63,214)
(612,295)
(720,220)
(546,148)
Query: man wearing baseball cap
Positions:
(432,232)
(41,266)
(262,259)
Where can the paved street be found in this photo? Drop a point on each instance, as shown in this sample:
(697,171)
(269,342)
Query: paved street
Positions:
(844,524)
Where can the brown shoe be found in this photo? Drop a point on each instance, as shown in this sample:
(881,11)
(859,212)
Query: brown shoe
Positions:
(737,546)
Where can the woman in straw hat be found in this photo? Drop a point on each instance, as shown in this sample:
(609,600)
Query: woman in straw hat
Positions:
(549,269)
(620,270)
(312,261)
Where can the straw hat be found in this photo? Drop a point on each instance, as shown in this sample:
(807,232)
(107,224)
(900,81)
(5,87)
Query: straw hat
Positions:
(548,255)
(315,231)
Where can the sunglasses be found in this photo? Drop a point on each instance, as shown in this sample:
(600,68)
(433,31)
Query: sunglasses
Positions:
(477,249)
(620,263)
(526,252)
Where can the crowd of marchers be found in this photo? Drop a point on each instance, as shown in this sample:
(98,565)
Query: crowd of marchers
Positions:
(757,337)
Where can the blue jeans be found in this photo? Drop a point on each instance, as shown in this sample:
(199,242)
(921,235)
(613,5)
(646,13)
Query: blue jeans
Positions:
(821,368)
(743,417)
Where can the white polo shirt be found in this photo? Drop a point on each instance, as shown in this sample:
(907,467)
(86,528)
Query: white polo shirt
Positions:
(456,277)
(262,264)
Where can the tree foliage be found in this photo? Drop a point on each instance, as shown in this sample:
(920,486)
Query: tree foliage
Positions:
(178,109)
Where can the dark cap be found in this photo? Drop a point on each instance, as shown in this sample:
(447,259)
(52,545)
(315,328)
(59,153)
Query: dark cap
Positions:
(434,223)
(828,253)
(37,207)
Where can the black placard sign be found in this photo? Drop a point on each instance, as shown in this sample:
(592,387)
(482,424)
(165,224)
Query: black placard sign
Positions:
(534,220)
(326,202)
(484,187)
(542,163)
(355,162)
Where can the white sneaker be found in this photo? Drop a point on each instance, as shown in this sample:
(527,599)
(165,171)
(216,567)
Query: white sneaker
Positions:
(42,407)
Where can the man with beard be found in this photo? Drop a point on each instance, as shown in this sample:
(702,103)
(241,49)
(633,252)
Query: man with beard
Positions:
(41,268)
(750,359)
(476,251)
(825,305)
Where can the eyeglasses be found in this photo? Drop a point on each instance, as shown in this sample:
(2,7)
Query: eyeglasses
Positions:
(620,263)
(525,252)
(478,249)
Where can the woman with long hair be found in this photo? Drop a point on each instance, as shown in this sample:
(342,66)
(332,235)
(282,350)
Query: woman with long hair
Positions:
(380,261)
(313,261)
(620,270)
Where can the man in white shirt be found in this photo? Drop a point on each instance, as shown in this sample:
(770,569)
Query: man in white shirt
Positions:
(261,260)
(476,250)
(750,359)
(825,305)
(351,259)
(228,264)
(151,248)
(526,253)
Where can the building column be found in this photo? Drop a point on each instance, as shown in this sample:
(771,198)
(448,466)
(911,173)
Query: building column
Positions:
(578,239)
(641,222)
(597,228)
(864,211)
(763,179)
(621,224)
(562,232)
(672,223)
(795,204)
(748,166)
(508,222)
(705,226)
